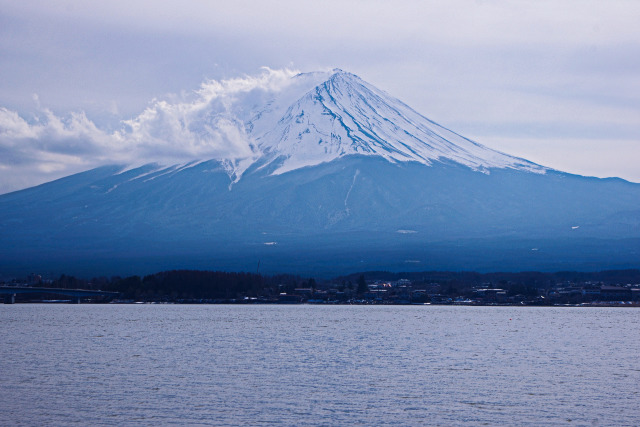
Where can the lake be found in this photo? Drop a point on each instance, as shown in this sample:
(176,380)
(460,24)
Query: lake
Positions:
(318,365)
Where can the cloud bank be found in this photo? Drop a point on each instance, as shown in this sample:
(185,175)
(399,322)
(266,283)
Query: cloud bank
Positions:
(205,124)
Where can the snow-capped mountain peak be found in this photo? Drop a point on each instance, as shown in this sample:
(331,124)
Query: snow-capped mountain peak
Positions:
(307,119)
(343,115)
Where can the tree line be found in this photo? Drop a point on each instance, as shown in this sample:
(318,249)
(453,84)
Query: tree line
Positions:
(217,285)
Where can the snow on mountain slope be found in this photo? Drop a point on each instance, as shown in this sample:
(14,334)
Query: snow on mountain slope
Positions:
(313,118)
(343,115)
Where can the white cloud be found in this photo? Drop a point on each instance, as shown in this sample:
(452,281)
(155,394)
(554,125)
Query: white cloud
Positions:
(206,124)
(72,136)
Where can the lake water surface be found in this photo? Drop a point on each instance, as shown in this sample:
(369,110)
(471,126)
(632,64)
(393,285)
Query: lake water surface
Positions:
(318,365)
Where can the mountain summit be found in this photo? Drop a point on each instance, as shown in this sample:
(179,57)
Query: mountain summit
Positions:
(343,115)
(339,177)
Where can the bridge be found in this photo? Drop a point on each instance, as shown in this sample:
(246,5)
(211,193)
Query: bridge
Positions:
(76,295)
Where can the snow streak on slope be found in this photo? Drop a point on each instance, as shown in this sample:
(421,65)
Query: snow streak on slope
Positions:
(344,116)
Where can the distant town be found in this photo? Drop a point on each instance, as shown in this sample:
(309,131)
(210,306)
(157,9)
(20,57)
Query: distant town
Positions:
(607,288)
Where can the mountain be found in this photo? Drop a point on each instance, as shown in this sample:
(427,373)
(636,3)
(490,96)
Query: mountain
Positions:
(343,178)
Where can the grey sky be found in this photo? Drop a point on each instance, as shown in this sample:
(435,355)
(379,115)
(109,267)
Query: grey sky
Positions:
(555,82)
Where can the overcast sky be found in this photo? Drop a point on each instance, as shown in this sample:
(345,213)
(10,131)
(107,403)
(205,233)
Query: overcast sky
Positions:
(556,82)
